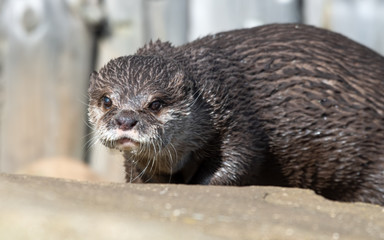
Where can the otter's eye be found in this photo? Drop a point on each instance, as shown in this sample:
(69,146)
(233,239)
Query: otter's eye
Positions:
(155,105)
(107,102)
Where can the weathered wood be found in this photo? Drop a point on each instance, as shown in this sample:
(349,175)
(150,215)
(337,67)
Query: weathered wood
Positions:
(212,16)
(361,21)
(45,67)
(166,20)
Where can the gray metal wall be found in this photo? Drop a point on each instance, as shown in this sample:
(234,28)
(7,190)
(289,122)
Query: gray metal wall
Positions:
(47,52)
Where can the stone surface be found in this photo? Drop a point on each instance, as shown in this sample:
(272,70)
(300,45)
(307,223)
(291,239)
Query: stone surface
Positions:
(48,208)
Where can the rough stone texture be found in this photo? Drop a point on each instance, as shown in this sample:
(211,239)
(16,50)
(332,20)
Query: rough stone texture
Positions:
(47,208)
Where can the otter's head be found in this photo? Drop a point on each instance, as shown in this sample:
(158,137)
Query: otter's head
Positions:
(141,105)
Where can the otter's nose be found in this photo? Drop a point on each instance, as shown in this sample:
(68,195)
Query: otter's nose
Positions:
(125,122)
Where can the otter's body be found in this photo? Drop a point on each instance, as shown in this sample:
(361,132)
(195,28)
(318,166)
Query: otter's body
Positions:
(287,105)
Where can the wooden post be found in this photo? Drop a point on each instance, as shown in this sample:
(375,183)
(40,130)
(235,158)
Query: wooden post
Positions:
(45,60)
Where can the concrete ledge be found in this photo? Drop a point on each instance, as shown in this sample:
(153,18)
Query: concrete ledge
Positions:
(48,208)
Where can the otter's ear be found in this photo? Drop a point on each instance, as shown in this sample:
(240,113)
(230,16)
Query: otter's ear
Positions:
(93,77)
(92,80)
(188,84)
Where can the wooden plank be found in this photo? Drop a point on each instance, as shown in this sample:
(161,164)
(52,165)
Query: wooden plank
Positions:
(46,63)
(166,20)
(361,21)
(212,16)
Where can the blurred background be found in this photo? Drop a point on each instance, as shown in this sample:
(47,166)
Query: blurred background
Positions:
(48,49)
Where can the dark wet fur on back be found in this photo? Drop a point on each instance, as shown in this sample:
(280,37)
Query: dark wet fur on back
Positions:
(287,105)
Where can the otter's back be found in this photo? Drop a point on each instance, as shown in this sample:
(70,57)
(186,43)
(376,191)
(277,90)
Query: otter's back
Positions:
(318,96)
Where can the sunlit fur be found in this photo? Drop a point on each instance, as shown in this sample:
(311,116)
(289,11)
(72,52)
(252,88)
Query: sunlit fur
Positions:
(283,104)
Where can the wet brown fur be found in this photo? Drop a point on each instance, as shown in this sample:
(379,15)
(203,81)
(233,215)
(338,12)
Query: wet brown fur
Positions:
(284,104)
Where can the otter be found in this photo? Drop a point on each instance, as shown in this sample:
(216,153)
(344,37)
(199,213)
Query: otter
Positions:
(283,104)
